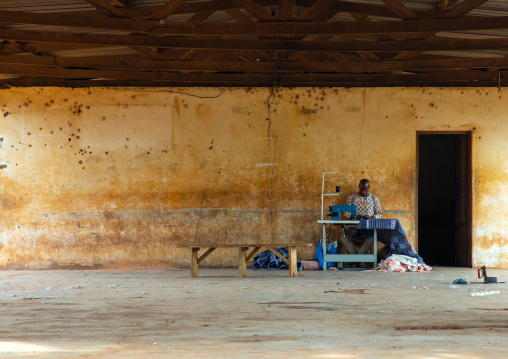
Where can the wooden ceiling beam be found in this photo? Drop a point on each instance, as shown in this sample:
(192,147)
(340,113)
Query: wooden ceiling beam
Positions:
(166,10)
(190,8)
(223,5)
(458,11)
(432,44)
(299,55)
(200,16)
(379,37)
(254,9)
(444,5)
(372,10)
(122,3)
(47,47)
(266,64)
(399,9)
(148,53)
(239,16)
(273,82)
(285,9)
(461,9)
(334,28)
(311,79)
(97,21)
(316,10)
(106,8)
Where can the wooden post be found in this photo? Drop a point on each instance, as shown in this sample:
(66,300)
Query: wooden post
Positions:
(242,263)
(293,266)
(194,262)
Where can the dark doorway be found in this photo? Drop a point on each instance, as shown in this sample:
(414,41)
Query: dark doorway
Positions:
(444,199)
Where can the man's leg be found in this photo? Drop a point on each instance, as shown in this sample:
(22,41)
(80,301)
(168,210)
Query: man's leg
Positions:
(347,240)
(366,246)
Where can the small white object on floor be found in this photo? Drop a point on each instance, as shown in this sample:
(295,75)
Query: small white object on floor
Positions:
(481,294)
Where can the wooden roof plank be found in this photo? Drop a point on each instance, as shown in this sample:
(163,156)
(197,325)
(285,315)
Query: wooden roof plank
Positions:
(462,9)
(166,10)
(268,64)
(95,21)
(254,9)
(122,3)
(240,43)
(316,10)
(264,28)
(310,78)
(399,9)
(445,4)
(105,7)
(238,15)
(332,28)
(200,16)
(285,9)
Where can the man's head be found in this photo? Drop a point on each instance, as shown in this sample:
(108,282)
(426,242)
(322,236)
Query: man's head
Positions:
(364,187)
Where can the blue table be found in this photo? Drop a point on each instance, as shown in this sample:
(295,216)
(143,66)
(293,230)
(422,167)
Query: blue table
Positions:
(346,257)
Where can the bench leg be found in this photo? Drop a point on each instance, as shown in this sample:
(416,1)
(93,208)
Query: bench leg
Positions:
(242,262)
(292,262)
(194,262)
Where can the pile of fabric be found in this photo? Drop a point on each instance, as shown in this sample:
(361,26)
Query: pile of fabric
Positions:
(401,263)
(392,235)
(269,260)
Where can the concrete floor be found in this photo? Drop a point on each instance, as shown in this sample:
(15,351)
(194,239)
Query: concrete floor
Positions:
(167,314)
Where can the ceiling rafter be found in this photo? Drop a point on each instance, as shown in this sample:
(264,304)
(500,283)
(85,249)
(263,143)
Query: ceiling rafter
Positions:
(445,4)
(254,9)
(152,25)
(122,3)
(463,8)
(458,11)
(432,44)
(399,9)
(317,9)
(239,16)
(267,64)
(285,9)
(254,77)
(105,7)
(200,16)
(223,5)
(166,10)
(322,28)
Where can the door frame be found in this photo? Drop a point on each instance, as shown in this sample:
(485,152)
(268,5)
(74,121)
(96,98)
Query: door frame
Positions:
(469,186)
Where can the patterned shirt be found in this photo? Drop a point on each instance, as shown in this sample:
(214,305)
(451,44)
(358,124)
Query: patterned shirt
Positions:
(365,206)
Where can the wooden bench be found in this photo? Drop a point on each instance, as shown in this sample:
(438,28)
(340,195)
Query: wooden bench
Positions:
(244,256)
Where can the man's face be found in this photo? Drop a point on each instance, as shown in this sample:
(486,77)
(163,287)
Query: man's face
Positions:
(364,189)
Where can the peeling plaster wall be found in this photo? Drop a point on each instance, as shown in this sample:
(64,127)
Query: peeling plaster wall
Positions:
(113,177)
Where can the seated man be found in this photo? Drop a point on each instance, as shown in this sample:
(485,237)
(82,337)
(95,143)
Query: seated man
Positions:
(367,207)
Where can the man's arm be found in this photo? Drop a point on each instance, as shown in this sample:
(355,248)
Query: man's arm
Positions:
(378,212)
(349,202)
(376,209)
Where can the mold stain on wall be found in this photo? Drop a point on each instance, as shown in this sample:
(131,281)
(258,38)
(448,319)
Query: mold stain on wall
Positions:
(109,177)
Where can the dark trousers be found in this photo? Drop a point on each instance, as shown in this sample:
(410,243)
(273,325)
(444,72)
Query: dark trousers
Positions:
(347,240)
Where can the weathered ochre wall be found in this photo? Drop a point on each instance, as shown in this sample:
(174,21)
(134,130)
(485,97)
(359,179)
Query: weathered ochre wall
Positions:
(111,177)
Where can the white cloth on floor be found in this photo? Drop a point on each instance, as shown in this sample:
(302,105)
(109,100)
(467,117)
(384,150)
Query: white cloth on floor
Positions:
(401,263)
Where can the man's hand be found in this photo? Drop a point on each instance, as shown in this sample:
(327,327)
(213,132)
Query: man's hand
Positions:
(359,216)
